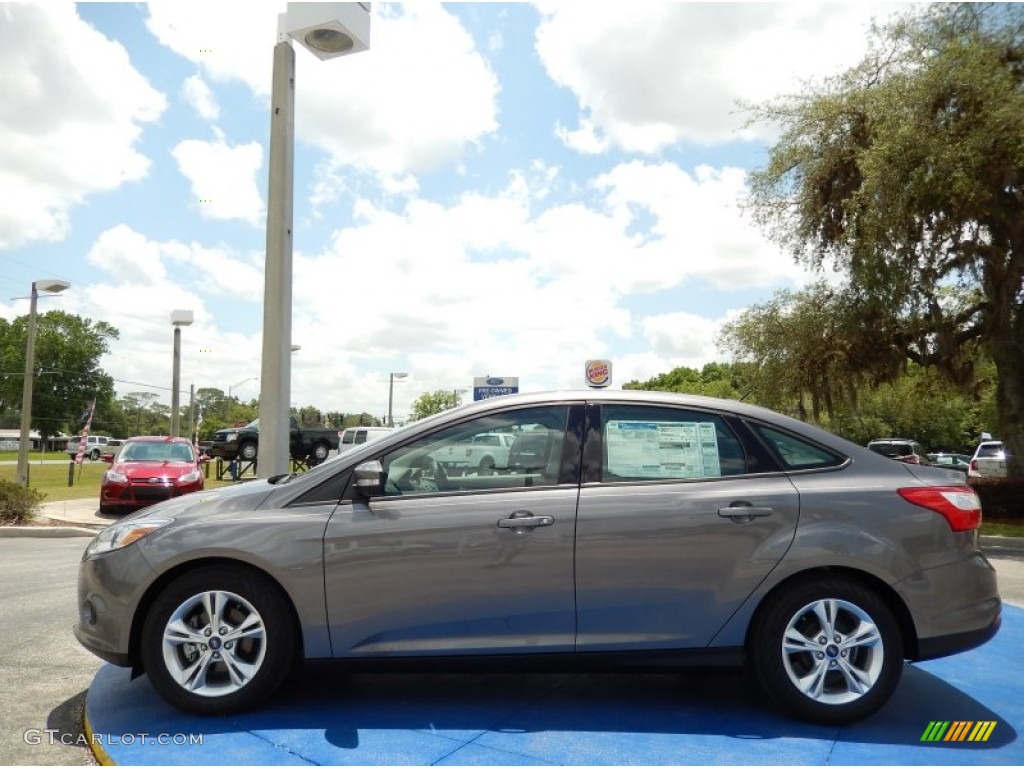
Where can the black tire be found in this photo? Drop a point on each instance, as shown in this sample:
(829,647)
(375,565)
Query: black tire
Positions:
(320,453)
(247,451)
(486,466)
(855,671)
(242,596)
(94,454)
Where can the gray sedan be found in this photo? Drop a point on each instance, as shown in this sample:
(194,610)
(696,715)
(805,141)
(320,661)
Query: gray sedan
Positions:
(629,527)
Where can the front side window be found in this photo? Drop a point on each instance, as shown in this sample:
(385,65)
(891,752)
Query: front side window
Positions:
(465,458)
(645,443)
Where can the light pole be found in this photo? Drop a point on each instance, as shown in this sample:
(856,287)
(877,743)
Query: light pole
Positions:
(391,394)
(233,387)
(456,393)
(179,318)
(327,30)
(47,286)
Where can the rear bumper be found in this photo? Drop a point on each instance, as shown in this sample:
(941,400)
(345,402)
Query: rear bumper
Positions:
(936,647)
(955,607)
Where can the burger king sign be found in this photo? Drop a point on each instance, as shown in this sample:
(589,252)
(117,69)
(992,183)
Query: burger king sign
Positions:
(599,373)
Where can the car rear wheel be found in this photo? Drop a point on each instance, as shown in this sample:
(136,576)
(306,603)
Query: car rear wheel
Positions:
(320,452)
(247,451)
(94,454)
(218,640)
(486,466)
(829,650)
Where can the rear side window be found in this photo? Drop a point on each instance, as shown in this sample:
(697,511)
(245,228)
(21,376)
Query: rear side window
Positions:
(797,453)
(347,437)
(643,443)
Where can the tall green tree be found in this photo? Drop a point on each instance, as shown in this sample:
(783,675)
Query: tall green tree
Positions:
(430,403)
(907,174)
(68,376)
(725,380)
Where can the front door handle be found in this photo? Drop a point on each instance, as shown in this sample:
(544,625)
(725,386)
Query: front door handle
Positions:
(522,520)
(743,512)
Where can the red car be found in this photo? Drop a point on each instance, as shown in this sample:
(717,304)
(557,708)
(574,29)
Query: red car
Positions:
(150,469)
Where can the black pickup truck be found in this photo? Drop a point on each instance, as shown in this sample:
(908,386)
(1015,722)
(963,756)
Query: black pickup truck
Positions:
(307,443)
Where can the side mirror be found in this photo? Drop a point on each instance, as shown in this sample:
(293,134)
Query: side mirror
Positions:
(107,457)
(369,478)
(203,458)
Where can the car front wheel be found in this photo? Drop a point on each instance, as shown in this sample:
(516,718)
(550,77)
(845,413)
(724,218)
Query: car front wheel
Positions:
(829,650)
(218,640)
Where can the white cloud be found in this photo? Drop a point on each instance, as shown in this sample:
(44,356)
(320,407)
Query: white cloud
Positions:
(66,130)
(651,74)
(223,178)
(198,94)
(416,101)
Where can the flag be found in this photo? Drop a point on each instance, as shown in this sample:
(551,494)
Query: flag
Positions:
(84,438)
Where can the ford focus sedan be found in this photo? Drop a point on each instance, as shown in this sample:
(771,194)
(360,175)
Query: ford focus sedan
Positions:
(638,528)
(147,470)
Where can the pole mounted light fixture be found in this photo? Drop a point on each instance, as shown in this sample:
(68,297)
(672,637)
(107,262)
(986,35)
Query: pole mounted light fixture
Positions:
(46,286)
(391,394)
(179,319)
(327,30)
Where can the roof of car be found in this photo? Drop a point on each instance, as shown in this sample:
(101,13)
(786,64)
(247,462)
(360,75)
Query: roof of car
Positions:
(159,439)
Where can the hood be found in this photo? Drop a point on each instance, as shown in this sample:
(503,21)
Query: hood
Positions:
(147,469)
(244,496)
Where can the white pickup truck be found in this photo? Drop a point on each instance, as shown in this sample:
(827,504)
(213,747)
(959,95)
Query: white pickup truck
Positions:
(482,455)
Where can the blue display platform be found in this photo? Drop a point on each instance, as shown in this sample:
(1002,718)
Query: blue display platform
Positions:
(328,717)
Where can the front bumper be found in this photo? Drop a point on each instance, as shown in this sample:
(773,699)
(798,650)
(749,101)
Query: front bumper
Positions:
(110,588)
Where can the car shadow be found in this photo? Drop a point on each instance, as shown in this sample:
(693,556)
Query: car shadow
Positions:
(324,699)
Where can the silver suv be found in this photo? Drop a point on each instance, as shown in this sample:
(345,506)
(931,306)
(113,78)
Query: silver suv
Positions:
(901,449)
(95,446)
(639,527)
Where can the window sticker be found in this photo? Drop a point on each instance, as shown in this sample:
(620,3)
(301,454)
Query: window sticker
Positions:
(662,449)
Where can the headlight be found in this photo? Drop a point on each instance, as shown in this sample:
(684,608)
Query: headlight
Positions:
(116,477)
(230,438)
(121,535)
(191,477)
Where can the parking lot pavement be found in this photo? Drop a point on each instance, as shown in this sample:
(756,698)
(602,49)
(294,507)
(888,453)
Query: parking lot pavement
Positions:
(328,717)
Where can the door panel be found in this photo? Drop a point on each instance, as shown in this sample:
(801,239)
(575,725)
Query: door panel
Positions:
(674,528)
(466,561)
(439,575)
(659,567)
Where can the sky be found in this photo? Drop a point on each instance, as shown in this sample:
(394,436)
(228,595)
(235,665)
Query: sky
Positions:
(491,189)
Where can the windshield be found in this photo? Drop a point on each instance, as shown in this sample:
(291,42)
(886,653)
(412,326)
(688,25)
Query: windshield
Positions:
(157,452)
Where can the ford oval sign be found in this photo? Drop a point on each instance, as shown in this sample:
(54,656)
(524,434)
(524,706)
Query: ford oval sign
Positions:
(495,382)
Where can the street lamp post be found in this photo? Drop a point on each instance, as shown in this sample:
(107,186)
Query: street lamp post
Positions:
(327,30)
(391,394)
(456,393)
(47,286)
(179,318)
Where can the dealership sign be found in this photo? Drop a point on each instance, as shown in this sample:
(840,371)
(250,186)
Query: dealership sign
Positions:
(599,373)
(493,386)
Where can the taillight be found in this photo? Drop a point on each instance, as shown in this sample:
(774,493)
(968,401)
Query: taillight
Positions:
(959,504)
(974,465)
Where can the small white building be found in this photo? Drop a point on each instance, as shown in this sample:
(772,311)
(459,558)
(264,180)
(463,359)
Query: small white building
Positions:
(10,438)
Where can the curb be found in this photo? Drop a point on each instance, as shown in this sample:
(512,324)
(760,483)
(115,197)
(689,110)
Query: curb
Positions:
(45,531)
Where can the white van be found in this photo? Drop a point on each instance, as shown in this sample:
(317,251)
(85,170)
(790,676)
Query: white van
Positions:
(353,436)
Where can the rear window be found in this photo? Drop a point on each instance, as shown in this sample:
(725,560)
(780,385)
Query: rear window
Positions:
(992,451)
(892,449)
(796,453)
